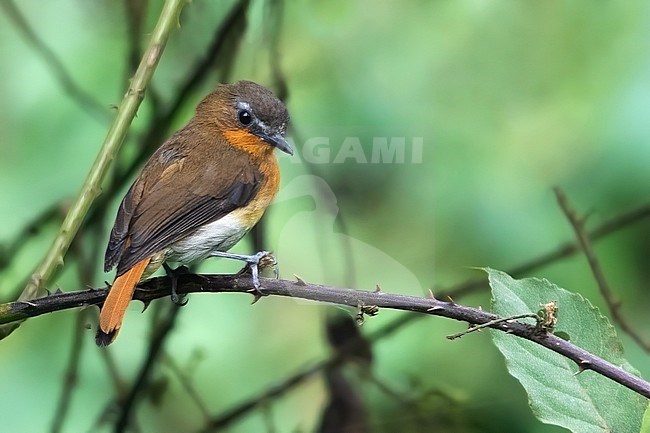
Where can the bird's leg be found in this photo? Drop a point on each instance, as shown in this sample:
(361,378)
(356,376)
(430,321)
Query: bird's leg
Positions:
(173,274)
(253,261)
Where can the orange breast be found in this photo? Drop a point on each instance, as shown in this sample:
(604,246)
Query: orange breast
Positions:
(262,155)
(252,212)
(223,234)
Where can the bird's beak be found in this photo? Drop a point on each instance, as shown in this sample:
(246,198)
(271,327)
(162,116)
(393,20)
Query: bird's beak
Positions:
(278,141)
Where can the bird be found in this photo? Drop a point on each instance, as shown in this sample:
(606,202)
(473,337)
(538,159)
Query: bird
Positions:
(199,193)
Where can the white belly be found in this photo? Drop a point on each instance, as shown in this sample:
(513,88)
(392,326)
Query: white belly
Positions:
(220,235)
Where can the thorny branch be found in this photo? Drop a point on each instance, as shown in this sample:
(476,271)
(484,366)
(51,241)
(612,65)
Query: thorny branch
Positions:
(613,304)
(160,287)
(615,224)
(561,252)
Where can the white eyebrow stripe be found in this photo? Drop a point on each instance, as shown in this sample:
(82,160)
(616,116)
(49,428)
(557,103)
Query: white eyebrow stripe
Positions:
(244,105)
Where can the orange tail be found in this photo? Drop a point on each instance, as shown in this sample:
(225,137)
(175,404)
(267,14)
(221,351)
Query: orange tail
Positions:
(112,313)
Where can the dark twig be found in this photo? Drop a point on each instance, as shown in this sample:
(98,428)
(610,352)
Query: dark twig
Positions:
(224,419)
(274,29)
(135,13)
(613,304)
(186,383)
(231,30)
(60,73)
(616,223)
(10,249)
(160,287)
(139,384)
(226,37)
(410,401)
(613,225)
(85,270)
(273,26)
(71,374)
(118,383)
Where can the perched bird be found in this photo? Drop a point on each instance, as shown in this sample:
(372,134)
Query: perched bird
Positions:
(198,194)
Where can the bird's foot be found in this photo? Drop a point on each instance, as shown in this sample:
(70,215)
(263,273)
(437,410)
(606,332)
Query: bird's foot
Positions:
(255,263)
(173,274)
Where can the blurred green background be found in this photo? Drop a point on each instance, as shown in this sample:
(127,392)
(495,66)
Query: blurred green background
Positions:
(508,100)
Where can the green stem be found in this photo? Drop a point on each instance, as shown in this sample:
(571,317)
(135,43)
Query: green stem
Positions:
(127,110)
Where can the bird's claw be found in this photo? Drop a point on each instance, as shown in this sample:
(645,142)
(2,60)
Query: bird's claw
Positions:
(179,299)
(254,263)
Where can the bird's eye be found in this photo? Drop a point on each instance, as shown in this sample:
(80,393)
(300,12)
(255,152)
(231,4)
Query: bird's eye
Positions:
(245,117)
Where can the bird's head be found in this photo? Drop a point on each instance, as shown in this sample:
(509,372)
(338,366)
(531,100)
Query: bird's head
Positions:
(249,116)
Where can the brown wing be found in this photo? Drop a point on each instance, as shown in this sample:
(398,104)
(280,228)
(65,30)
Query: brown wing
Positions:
(190,181)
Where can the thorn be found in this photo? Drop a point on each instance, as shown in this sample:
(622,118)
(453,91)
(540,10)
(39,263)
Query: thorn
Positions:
(256,296)
(377,288)
(480,308)
(583,365)
(31,304)
(47,292)
(299,281)
(145,305)
(58,291)
(450,299)
(431,295)
(434,308)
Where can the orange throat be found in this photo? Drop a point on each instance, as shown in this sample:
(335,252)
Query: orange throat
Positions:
(261,153)
(250,143)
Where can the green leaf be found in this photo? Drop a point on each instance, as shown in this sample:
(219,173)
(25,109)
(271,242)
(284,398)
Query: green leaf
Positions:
(585,402)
